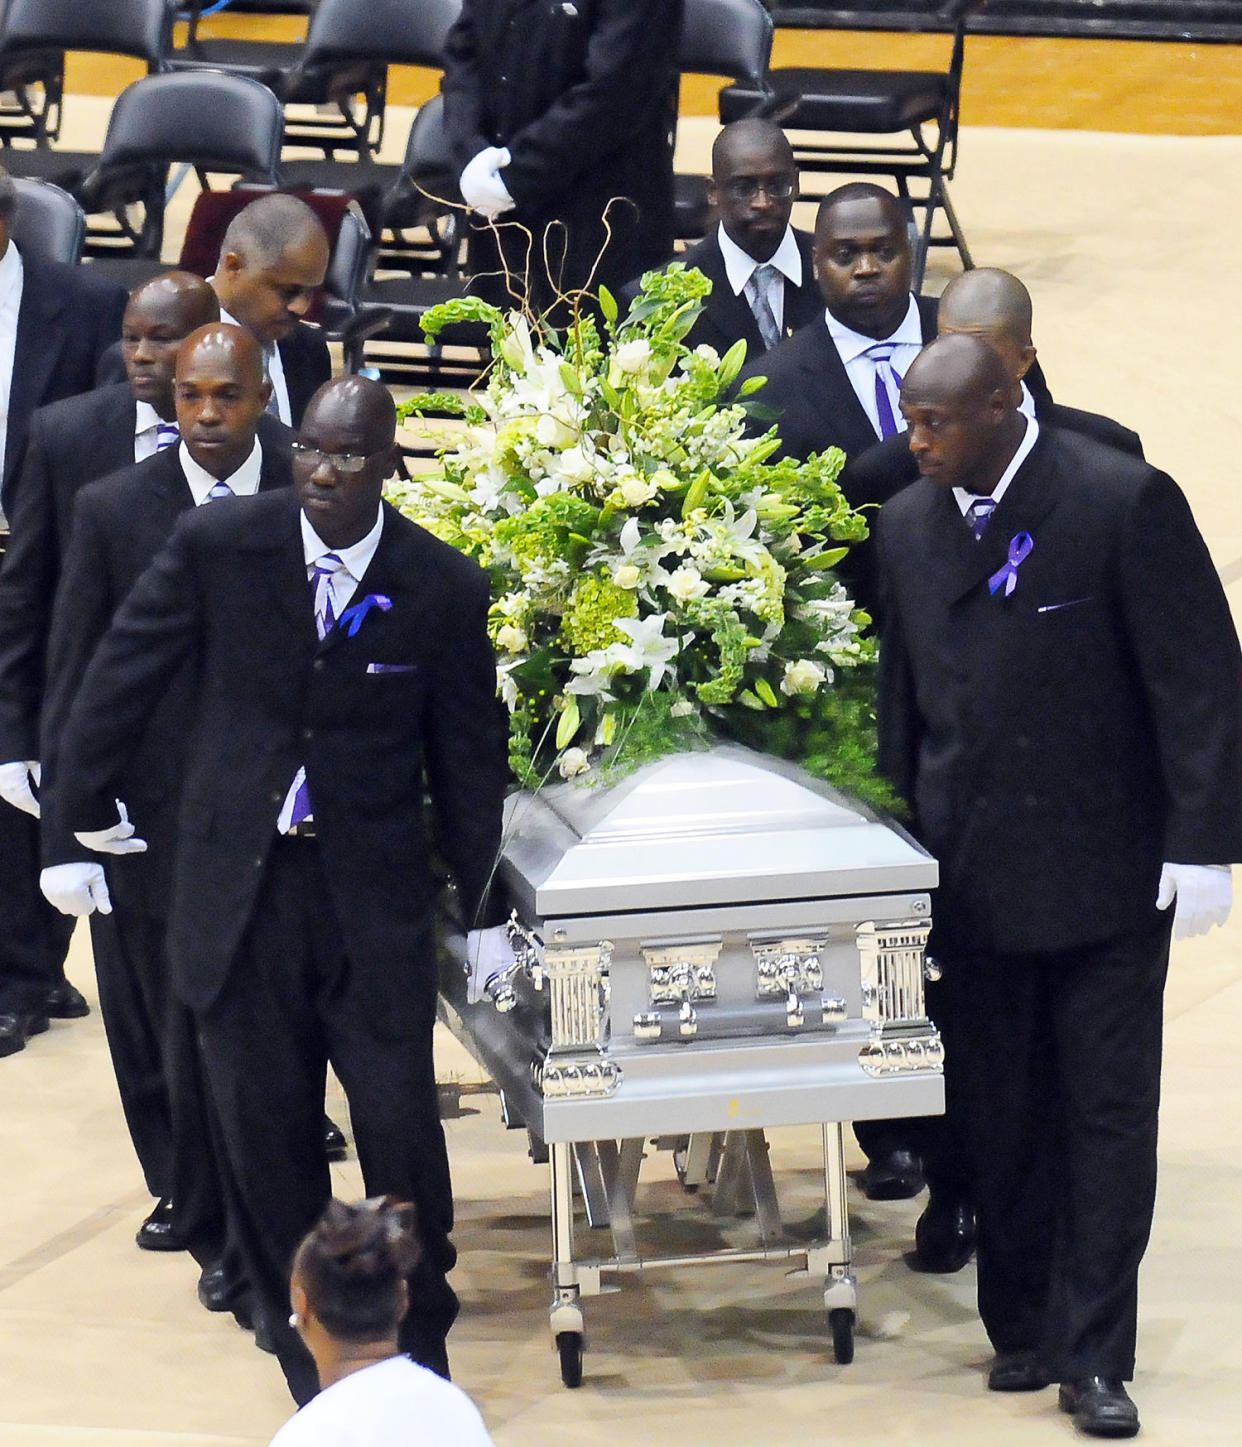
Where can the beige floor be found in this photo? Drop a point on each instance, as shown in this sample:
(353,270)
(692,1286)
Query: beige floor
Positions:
(1129,250)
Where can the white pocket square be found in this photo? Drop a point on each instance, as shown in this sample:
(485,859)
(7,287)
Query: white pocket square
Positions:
(392,668)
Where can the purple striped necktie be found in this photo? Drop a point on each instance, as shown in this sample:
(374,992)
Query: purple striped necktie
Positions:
(166,435)
(326,569)
(887,387)
(219,490)
(979,514)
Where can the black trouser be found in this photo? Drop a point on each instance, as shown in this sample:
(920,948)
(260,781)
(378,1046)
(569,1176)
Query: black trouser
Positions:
(1052,1074)
(34,937)
(285,1012)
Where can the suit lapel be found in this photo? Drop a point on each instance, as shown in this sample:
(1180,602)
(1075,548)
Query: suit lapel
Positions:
(828,383)
(40,337)
(393,573)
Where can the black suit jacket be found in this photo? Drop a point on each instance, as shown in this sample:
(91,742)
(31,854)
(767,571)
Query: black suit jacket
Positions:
(71,443)
(407,704)
(120,524)
(584,95)
(1059,744)
(726,317)
(68,319)
(303,354)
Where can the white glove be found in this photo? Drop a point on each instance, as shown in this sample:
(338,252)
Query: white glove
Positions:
(118,839)
(1204,894)
(488,952)
(15,782)
(76,888)
(480,183)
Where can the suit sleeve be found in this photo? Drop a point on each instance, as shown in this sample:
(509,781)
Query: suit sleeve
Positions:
(460,87)
(897,715)
(1186,648)
(27,586)
(155,629)
(629,63)
(466,756)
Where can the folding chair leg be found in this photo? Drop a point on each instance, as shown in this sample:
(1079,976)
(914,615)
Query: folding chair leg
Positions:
(959,236)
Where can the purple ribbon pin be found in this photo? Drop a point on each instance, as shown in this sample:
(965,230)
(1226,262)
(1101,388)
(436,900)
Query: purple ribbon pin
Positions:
(1020,546)
(354,616)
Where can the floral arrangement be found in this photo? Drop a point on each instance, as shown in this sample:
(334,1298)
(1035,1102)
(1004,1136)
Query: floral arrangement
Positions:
(657,578)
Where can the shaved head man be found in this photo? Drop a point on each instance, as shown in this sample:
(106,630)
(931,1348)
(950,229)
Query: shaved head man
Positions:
(763,286)
(221,392)
(1037,700)
(160,314)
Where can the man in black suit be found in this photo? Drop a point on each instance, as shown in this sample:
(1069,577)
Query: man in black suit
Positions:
(1066,725)
(760,268)
(558,113)
(120,523)
(55,323)
(343,670)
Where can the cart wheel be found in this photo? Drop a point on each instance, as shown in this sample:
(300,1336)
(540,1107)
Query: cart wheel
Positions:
(569,1347)
(841,1324)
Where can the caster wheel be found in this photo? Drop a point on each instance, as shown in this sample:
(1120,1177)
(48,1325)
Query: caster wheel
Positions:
(569,1348)
(841,1324)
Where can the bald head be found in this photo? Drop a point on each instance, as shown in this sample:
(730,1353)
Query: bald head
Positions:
(345,451)
(221,393)
(273,260)
(994,306)
(160,314)
(959,403)
(753,185)
(854,193)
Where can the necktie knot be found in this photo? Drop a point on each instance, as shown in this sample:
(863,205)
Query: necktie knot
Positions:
(887,387)
(326,570)
(166,435)
(219,490)
(979,513)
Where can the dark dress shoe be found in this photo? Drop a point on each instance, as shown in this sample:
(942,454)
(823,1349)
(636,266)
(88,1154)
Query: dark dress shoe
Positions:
(894,1176)
(157,1232)
(220,1291)
(1100,1406)
(1017,1372)
(263,1337)
(944,1238)
(66,1003)
(16,1029)
(335,1145)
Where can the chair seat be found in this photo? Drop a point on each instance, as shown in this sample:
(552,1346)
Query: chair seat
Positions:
(365,181)
(130,271)
(876,102)
(65,169)
(692,212)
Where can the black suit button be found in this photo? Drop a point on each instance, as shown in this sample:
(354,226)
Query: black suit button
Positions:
(308,734)
(1031,801)
(277,797)
(258,864)
(1022,742)
(318,665)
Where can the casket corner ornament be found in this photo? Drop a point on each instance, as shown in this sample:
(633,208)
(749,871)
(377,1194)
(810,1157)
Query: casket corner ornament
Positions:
(894,965)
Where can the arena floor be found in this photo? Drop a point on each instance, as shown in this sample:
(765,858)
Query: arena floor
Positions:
(1127,244)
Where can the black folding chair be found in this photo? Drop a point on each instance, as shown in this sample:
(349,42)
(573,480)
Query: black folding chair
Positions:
(912,114)
(730,38)
(48,222)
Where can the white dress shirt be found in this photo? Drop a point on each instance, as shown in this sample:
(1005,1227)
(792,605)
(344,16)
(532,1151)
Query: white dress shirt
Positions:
(10,307)
(1027,404)
(273,366)
(242,483)
(852,346)
(740,266)
(146,431)
(355,560)
(965,499)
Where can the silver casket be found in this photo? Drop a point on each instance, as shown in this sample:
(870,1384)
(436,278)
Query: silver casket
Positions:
(716,945)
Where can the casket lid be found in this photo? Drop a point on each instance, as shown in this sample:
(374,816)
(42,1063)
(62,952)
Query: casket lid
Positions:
(718,827)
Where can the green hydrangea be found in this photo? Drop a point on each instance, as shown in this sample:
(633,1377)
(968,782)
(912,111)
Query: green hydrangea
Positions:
(588,622)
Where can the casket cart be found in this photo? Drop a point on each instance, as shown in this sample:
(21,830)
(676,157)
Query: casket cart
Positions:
(717,945)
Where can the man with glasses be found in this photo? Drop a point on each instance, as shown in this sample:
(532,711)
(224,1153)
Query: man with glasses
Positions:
(342,672)
(760,268)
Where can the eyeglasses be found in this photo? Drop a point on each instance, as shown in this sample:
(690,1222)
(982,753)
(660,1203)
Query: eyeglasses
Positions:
(746,188)
(348,463)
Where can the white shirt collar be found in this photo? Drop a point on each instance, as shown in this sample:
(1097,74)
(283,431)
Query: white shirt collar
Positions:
(1027,405)
(10,272)
(244,482)
(964,498)
(146,418)
(355,559)
(851,344)
(740,265)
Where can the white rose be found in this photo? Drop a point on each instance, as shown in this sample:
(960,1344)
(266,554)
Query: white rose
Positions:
(626,576)
(686,583)
(552,432)
(805,676)
(633,356)
(511,638)
(572,763)
(635,490)
(575,465)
